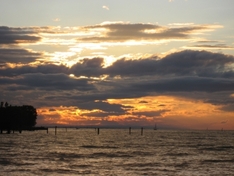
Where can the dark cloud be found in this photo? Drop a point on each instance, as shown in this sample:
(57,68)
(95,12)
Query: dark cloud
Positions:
(125,67)
(108,123)
(53,82)
(229,108)
(198,75)
(223,122)
(88,67)
(51,110)
(10,35)
(125,31)
(100,114)
(150,113)
(184,84)
(216,46)
(184,63)
(220,98)
(23,56)
(26,69)
(208,41)
(104,106)
(143,102)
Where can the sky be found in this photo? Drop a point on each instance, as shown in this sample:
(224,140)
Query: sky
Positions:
(120,63)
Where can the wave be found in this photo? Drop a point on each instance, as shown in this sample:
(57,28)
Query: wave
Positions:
(99,147)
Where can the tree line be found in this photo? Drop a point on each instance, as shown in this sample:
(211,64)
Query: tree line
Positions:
(17,118)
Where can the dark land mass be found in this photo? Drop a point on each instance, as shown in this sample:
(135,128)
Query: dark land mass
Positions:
(17,118)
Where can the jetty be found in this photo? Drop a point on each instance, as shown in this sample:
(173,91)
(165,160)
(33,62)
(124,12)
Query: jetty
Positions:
(8,131)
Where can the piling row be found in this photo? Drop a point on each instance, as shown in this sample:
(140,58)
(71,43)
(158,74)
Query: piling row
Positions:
(98,130)
(55,130)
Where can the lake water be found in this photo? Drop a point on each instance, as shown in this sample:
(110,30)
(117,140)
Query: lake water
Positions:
(115,152)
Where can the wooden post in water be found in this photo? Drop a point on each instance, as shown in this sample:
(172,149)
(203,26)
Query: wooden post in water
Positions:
(47,130)
(141,130)
(129,130)
(98,131)
(55,130)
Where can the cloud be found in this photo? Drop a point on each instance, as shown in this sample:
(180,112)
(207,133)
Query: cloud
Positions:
(25,69)
(228,107)
(184,63)
(208,46)
(88,67)
(187,63)
(11,55)
(10,35)
(56,19)
(49,82)
(183,84)
(143,102)
(150,113)
(113,32)
(197,75)
(105,7)
(224,122)
(116,90)
(105,107)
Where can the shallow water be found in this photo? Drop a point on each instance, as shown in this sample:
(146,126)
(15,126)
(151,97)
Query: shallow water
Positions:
(115,152)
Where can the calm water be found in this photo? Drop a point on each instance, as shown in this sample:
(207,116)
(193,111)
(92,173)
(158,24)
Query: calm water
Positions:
(115,152)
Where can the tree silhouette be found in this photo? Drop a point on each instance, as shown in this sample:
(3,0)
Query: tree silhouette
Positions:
(17,117)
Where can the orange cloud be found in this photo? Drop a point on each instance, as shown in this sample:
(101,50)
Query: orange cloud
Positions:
(166,111)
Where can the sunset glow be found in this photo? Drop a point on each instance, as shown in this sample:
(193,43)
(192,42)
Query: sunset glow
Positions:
(163,62)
